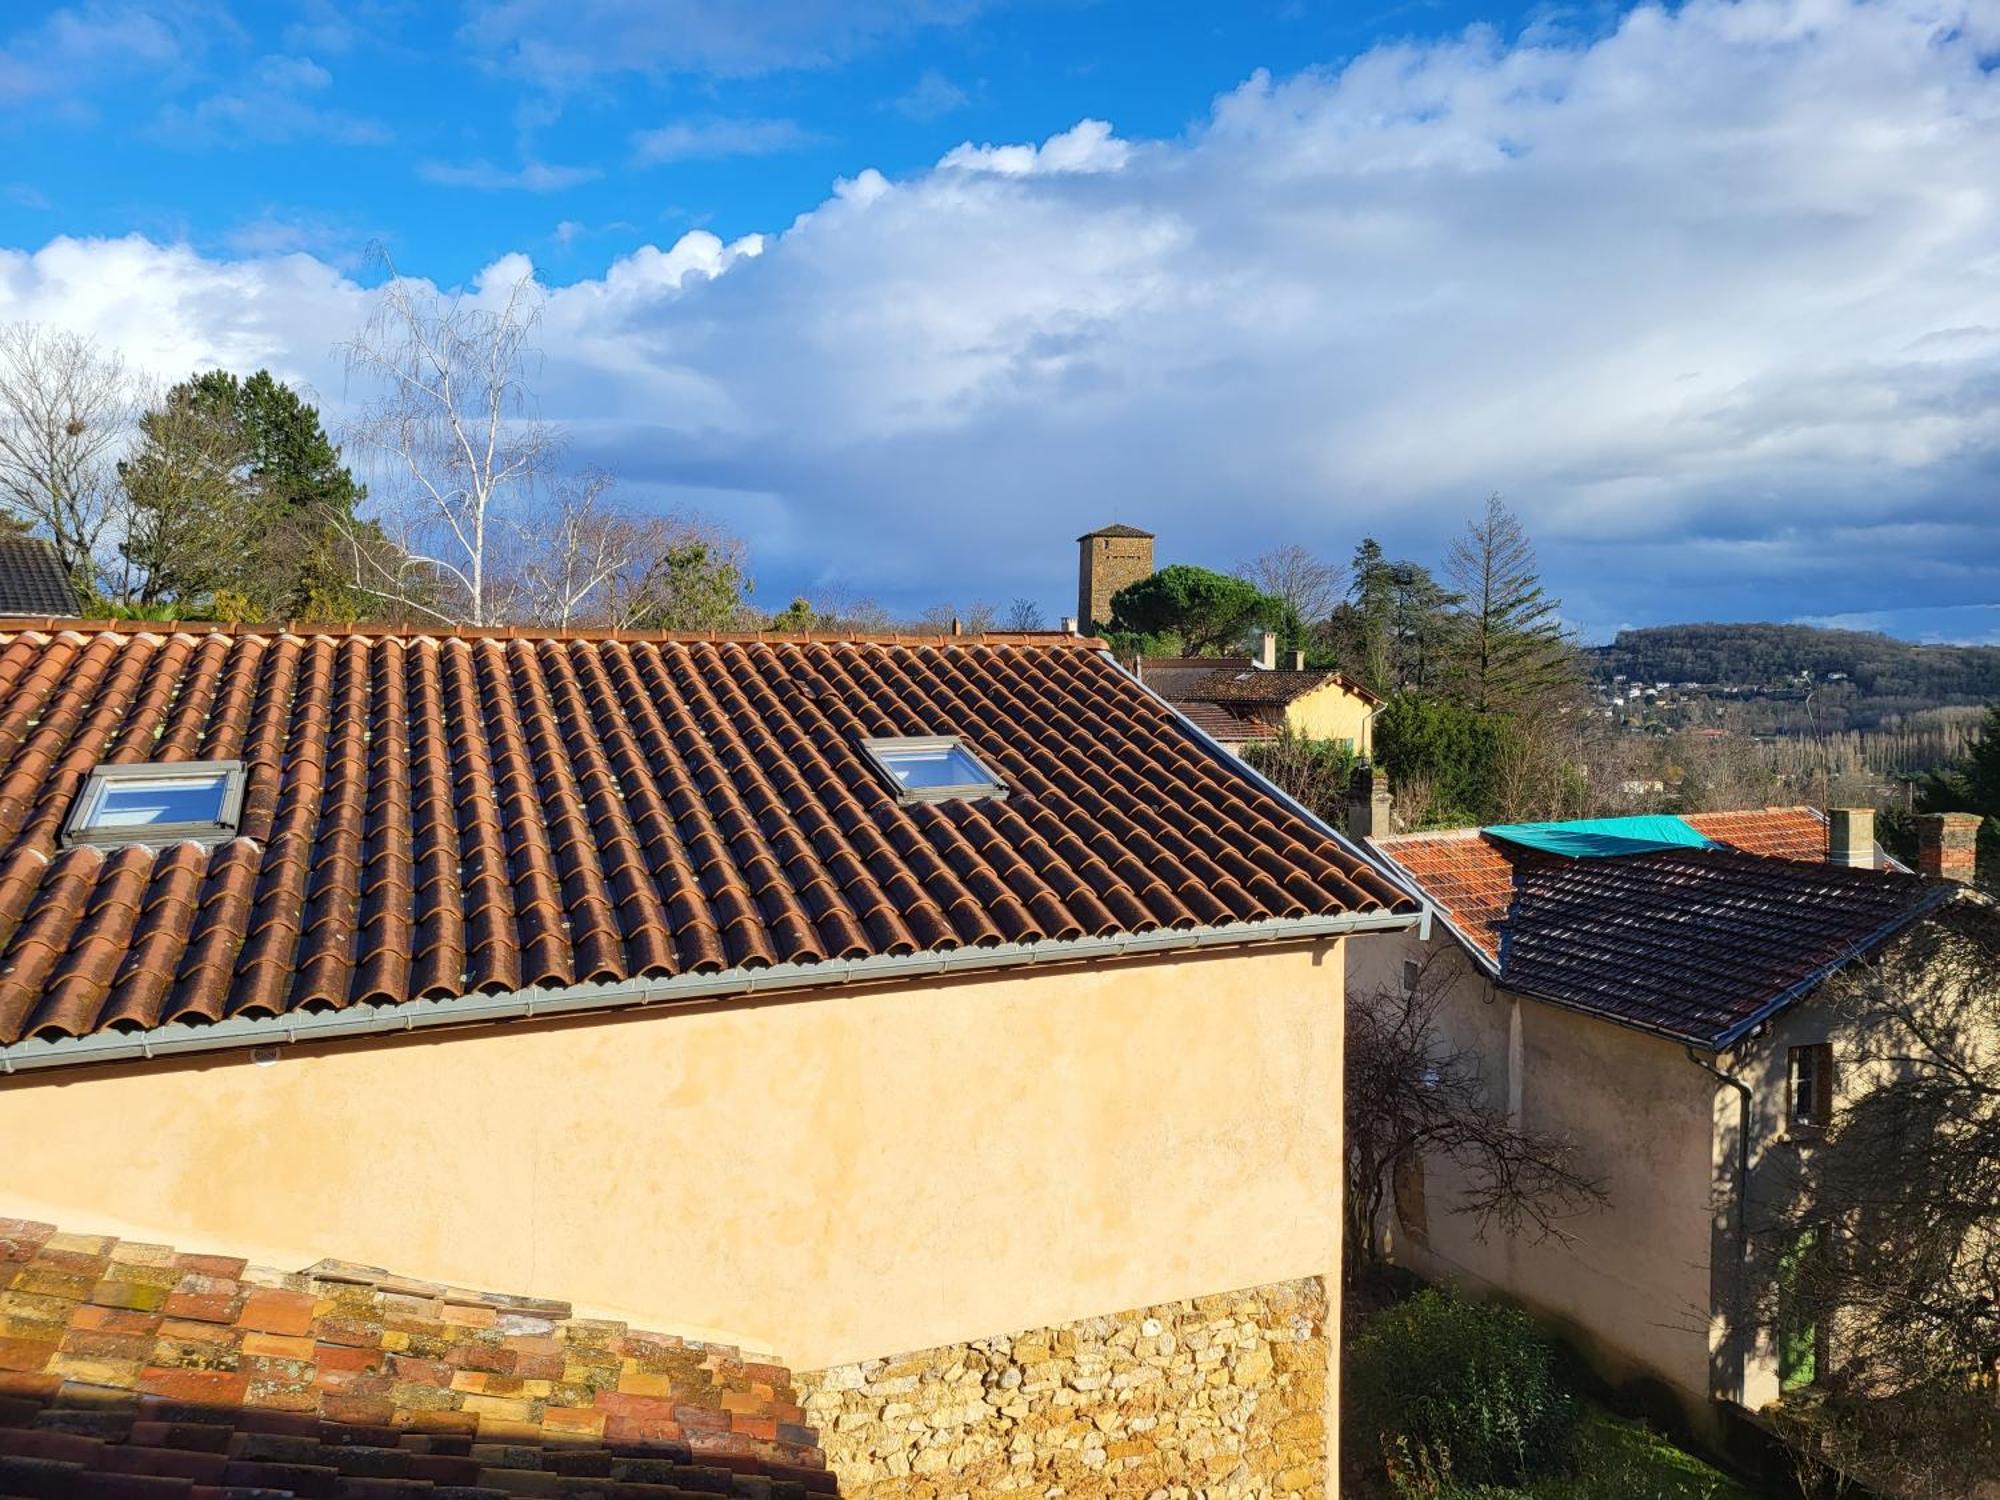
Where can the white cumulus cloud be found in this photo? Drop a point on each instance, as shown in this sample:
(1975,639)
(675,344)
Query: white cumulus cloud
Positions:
(1710,298)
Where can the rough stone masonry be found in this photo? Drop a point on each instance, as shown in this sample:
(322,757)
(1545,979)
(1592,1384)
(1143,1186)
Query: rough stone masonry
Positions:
(1214,1398)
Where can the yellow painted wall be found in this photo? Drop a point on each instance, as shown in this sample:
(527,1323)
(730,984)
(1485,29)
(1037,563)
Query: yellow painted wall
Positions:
(1633,1289)
(1332,713)
(834,1178)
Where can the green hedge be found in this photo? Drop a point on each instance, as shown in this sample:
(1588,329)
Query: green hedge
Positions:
(1462,1389)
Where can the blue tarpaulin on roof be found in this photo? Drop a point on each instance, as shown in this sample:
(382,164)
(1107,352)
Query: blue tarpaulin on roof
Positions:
(1601,838)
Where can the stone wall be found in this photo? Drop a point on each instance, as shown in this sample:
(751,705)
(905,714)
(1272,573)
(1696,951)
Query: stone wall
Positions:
(1218,1397)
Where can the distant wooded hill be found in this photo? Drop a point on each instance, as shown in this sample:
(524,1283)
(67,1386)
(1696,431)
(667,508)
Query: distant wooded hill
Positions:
(1885,677)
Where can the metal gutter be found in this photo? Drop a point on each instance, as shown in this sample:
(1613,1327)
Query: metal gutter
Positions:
(355,1021)
(1812,981)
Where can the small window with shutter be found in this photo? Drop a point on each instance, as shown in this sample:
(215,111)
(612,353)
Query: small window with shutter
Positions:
(1811,1087)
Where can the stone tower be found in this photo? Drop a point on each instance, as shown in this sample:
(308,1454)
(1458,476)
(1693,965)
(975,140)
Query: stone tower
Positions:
(1108,559)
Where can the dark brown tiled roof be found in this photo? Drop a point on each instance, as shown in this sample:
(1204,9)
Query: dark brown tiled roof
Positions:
(1117,528)
(32,579)
(1255,685)
(1697,944)
(130,1370)
(427,816)
(1692,943)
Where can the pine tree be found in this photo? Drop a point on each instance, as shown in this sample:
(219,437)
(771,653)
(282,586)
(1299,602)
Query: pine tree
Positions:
(1510,650)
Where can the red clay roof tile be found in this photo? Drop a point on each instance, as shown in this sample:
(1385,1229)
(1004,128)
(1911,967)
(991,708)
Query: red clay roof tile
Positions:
(431,815)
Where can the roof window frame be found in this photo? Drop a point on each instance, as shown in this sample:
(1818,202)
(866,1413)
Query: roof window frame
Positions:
(78,831)
(879,748)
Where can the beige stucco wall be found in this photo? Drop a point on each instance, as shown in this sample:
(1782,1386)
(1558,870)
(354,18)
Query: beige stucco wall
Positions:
(832,1178)
(1632,1290)
(1332,713)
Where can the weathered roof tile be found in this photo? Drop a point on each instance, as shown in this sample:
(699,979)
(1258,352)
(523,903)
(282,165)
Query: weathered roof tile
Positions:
(431,815)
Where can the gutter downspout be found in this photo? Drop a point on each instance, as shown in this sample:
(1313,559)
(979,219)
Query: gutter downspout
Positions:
(1739,1277)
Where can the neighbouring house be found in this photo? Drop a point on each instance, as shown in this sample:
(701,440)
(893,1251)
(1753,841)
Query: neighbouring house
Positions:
(33,582)
(1651,986)
(929,1016)
(1240,700)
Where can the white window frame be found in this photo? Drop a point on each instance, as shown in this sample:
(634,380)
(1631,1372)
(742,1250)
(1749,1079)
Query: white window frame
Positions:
(879,749)
(78,830)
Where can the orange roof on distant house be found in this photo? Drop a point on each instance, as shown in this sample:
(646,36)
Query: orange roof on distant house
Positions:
(132,1369)
(428,815)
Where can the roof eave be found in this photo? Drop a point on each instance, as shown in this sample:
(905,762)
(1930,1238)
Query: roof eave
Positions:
(359,1021)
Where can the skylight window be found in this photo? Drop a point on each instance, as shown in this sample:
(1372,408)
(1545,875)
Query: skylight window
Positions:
(197,801)
(932,768)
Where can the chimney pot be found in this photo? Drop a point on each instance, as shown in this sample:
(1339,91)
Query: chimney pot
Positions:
(1850,837)
(1267,650)
(1947,845)
(1069,624)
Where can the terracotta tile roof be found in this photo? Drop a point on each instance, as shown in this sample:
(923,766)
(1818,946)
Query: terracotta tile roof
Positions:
(430,815)
(130,1370)
(1256,685)
(1226,726)
(32,580)
(1691,943)
(1117,528)
(1469,877)
(1781,832)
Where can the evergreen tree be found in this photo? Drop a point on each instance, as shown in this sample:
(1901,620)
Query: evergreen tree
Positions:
(1509,650)
(304,497)
(189,515)
(1205,610)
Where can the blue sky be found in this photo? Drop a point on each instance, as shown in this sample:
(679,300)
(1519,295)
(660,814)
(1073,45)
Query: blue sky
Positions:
(910,292)
(458,133)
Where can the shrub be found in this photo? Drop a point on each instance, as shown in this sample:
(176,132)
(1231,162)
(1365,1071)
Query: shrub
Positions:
(1459,1388)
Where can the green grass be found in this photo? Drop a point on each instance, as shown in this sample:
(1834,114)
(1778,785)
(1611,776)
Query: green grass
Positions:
(1626,1460)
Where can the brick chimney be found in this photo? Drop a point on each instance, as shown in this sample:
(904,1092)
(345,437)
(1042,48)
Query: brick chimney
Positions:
(1369,804)
(1267,650)
(1850,837)
(1947,845)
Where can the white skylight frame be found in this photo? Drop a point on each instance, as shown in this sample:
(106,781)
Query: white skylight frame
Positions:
(85,825)
(883,751)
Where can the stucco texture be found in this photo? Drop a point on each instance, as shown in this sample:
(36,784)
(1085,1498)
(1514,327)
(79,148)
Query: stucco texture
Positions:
(1332,713)
(832,1178)
(1632,1288)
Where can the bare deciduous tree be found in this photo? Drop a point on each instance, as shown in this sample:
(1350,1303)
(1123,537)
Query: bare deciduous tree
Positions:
(1025,614)
(454,423)
(66,409)
(1413,1095)
(570,551)
(1886,1245)
(1305,584)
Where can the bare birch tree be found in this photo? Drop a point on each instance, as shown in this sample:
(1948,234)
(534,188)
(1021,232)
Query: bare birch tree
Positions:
(571,551)
(66,409)
(455,425)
